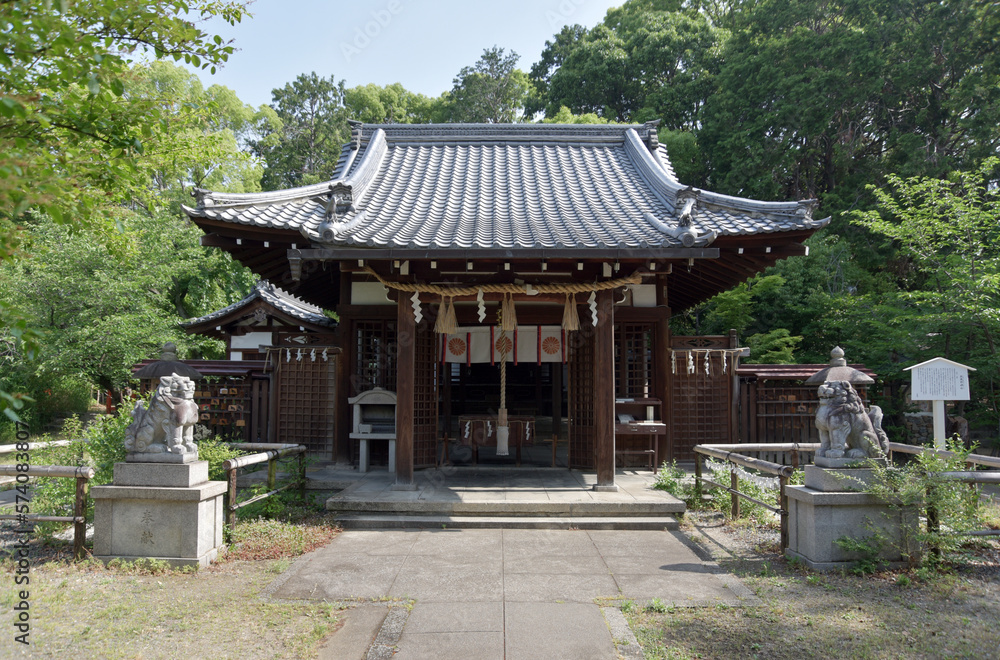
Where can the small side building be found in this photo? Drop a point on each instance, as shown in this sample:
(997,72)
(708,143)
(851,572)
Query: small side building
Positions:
(278,382)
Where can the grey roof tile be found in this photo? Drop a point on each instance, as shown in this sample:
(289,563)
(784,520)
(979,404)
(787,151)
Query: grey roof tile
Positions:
(513,186)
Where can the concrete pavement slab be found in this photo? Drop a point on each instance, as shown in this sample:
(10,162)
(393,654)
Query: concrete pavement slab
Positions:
(549,587)
(351,641)
(430,578)
(569,543)
(531,562)
(484,544)
(336,576)
(492,593)
(652,564)
(557,631)
(451,646)
(641,543)
(456,617)
(382,542)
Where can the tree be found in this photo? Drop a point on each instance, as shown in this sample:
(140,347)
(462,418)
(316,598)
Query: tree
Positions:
(71,140)
(829,96)
(391,104)
(949,296)
(647,60)
(304,146)
(492,90)
(106,296)
(209,129)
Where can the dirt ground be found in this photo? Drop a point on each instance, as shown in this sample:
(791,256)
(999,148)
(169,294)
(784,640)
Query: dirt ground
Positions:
(902,614)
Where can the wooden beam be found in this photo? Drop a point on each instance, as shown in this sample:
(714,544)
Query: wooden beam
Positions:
(604,392)
(406,333)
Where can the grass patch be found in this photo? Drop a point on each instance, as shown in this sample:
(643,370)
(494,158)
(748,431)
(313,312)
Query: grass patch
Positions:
(264,538)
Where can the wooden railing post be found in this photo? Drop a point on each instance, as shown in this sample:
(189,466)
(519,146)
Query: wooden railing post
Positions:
(272,472)
(783,506)
(933,523)
(230,505)
(734,483)
(302,476)
(697,478)
(80,513)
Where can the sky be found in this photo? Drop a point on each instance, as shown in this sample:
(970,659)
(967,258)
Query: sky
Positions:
(420,43)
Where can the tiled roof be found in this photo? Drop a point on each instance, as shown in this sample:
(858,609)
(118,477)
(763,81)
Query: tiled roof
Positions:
(276,297)
(506,186)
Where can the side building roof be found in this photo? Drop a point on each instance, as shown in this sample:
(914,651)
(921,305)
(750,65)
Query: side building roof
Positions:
(271,300)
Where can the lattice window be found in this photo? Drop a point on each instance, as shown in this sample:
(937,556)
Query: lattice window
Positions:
(375,356)
(634,360)
(581,400)
(306,400)
(701,406)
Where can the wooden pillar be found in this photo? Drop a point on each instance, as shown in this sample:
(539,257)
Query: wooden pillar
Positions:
(604,392)
(734,392)
(343,416)
(663,378)
(557,369)
(406,330)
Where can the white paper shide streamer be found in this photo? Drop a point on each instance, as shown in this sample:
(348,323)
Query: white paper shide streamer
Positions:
(767,483)
(418,315)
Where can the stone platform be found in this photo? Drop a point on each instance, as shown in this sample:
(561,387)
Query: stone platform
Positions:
(506,497)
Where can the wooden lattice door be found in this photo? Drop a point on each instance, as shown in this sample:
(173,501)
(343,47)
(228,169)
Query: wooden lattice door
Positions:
(306,399)
(581,401)
(425,396)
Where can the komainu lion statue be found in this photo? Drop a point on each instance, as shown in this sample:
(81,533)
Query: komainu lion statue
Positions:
(845,429)
(168,425)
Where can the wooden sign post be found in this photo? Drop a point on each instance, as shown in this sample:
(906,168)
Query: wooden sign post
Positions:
(939,380)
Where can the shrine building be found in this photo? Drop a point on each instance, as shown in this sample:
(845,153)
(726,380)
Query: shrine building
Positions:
(509,287)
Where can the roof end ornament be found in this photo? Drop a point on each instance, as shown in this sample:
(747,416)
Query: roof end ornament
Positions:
(203,197)
(805,209)
(355,133)
(341,203)
(651,138)
(688,235)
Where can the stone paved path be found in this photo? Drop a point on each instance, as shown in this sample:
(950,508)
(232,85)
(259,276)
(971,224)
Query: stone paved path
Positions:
(499,594)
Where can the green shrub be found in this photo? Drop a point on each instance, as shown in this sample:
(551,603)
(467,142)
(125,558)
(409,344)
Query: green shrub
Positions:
(674,480)
(918,484)
(216,452)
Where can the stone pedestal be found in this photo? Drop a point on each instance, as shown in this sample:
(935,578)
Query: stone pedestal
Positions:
(165,511)
(364,461)
(831,505)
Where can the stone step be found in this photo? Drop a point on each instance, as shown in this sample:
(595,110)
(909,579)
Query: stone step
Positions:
(507,508)
(396,521)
